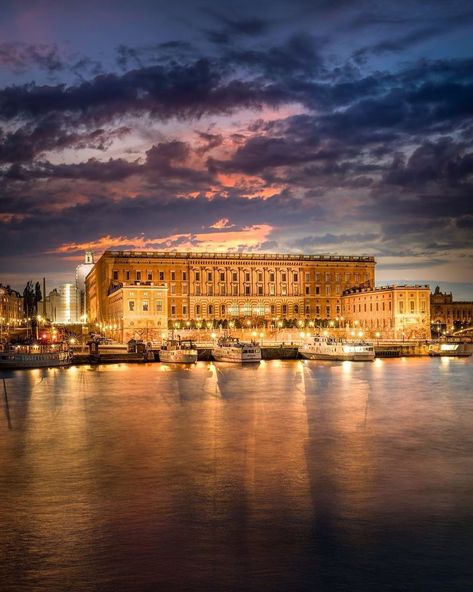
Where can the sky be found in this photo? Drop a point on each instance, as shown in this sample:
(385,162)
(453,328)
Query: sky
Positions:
(302,126)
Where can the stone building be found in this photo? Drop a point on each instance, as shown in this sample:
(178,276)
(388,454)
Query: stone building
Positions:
(82,270)
(11,306)
(390,312)
(218,287)
(137,312)
(448,314)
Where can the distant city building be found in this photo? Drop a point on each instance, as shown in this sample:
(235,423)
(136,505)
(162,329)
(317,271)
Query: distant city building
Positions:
(67,308)
(11,306)
(82,270)
(214,287)
(448,314)
(52,305)
(392,312)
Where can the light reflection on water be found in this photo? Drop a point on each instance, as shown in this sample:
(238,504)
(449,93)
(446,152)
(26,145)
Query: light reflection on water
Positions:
(287,475)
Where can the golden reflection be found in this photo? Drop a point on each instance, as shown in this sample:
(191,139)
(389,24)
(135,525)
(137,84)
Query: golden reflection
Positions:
(347,367)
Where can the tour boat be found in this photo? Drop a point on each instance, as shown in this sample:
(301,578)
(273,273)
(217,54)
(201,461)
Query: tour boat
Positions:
(34,356)
(330,348)
(231,349)
(450,348)
(178,351)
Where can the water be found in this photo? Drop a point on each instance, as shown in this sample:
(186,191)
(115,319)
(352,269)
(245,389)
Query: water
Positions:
(287,476)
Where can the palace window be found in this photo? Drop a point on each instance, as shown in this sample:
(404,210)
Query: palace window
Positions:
(327,290)
(131,305)
(271,276)
(235,290)
(317,311)
(173,288)
(284,309)
(184,289)
(327,311)
(223,290)
(317,277)
(173,310)
(296,309)
(317,289)
(184,310)
(327,277)
(127,275)
(222,276)
(296,290)
(161,276)
(401,307)
(211,309)
(210,290)
(184,276)
(283,276)
(260,290)
(412,305)
(307,290)
(307,276)
(173,276)
(247,276)
(145,305)
(197,289)
(149,276)
(284,290)
(159,306)
(209,276)
(307,310)
(115,275)
(138,276)
(234,276)
(197,310)
(273,309)
(247,290)
(272,290)
(197,276)
(222,310)
(296,277)
(260,276)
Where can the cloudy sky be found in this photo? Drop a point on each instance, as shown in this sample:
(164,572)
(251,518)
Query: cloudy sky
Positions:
(306,126)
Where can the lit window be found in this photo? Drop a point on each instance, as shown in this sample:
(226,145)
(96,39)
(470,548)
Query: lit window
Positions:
(131,305)
(145,306)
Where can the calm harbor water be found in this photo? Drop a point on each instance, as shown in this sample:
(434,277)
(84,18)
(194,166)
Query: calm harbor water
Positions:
(283,476)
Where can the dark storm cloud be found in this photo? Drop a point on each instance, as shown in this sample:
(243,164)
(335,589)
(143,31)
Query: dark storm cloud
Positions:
(266,111)
(22,56)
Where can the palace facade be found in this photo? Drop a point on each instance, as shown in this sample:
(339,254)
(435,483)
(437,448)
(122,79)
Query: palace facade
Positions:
(390,312)
(11,306)
(144,291)
(448,314)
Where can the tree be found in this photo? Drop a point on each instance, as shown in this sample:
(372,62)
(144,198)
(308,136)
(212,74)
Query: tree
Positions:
(37,296)
(28,299)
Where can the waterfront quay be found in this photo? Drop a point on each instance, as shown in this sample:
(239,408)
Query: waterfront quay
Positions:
(110,354)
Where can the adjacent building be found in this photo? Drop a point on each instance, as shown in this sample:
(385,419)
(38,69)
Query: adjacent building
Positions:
(390,312)
(448,314)
(52,305)
(209,287)
(82,270)
(67,306)
(11,306)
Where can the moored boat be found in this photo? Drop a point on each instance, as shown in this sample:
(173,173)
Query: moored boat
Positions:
(450,348)
(34,356)
(330,348)
(178,351)
(231,349)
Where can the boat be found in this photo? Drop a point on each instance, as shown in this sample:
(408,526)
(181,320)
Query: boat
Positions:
(34,356)
(450,348)
(331,348)
(178,351)
(231,349)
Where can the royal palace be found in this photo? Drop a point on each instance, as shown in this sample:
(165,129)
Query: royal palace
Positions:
(139,293)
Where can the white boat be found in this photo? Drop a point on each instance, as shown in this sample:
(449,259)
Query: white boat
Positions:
(447,348)
(177,351)
(231,349)
(34,356)
(330,348)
